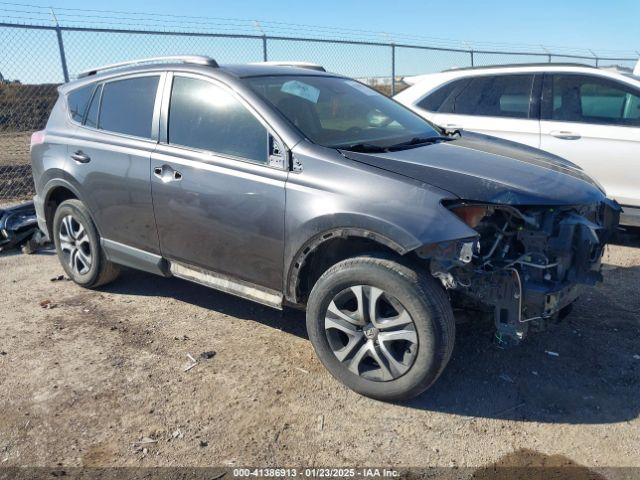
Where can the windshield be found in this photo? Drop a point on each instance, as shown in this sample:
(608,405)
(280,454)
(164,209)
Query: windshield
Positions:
(342,113)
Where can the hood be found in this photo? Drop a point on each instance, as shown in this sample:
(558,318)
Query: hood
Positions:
(481,168)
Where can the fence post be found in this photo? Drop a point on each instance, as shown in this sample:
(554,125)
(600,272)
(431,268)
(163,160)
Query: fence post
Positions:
(393,69)
(472,59)
(63,57)
(264,48)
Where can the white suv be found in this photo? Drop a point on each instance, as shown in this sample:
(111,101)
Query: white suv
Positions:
(587,115)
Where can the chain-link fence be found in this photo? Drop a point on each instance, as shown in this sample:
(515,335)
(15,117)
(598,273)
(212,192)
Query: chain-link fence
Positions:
(34,59)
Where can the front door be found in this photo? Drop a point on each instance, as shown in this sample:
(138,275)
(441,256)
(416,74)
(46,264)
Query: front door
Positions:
(595,123)
(219,200)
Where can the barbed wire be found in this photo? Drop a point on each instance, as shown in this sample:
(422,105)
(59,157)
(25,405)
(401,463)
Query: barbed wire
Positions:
(189,23)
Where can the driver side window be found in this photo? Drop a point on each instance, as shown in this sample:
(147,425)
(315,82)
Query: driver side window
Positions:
(205,116)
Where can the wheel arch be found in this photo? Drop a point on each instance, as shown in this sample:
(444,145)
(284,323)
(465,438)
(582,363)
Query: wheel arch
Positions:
(326,249)
(57,191)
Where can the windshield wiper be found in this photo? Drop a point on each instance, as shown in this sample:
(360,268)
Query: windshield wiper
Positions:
(362,147)
(417,141)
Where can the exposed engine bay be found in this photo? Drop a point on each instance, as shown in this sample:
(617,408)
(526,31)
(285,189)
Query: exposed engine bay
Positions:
(527,263)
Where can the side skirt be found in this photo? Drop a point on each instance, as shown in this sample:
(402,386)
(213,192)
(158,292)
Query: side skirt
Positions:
(239,288)
(150,262)
(122,254)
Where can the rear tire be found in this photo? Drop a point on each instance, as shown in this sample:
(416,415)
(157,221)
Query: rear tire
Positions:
(78,246)
(397,352)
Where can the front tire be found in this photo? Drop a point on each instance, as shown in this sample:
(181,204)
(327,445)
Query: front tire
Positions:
(78,246)
(384,329)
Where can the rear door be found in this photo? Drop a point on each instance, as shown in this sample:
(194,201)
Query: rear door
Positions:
(110,157)
(595,122)
(219,184)
(505,106)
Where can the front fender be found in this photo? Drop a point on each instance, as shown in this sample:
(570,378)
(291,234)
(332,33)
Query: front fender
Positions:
(334,195)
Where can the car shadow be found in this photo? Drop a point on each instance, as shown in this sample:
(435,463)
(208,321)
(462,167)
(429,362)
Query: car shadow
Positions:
(581,371)
(133,282)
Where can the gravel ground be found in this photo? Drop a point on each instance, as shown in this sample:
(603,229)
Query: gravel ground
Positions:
(86,380)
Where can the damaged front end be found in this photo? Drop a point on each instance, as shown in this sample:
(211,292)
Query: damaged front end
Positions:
(527,262)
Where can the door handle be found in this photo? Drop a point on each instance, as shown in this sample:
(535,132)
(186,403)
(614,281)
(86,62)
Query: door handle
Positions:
(167,174)
(565,135)
(81,157)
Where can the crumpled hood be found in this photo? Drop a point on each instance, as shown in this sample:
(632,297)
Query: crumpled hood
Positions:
(483,168)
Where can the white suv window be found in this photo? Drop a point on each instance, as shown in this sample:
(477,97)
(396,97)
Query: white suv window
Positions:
(492,96)
(589,99)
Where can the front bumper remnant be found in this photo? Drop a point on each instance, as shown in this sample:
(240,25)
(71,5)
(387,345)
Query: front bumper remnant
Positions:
(527,263)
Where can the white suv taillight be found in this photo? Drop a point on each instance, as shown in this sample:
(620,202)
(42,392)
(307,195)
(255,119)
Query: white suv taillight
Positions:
(37,138)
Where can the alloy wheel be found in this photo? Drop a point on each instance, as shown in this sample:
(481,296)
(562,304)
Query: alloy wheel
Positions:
(75,245)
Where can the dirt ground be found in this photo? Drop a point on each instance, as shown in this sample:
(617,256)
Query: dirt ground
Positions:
(82,383)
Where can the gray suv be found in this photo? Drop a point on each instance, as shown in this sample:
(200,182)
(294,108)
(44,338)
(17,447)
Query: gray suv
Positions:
(293,186)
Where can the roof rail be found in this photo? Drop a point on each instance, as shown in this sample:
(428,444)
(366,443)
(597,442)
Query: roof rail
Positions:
(195,59)
(512,65)
(277,63)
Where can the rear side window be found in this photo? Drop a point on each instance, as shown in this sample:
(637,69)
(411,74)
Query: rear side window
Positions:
(438,100)
(207,117)
(496,96)
(78,101)
(127,106)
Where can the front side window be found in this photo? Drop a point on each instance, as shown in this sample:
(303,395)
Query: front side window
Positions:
(208,117)
(340,113)
(127,106)
(496,96)
(78,101)
(589,99)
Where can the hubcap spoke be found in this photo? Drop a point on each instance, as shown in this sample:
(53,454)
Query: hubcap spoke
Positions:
(337,314)
(354,341)
(397,368)
(408,335)
(361,354)
(384,368)
(360,312)
(374,295)
(403,318)
(341,324)
(84,260)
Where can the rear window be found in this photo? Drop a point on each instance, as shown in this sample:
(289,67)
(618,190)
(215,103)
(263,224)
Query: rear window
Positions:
(78,101)
(127,106)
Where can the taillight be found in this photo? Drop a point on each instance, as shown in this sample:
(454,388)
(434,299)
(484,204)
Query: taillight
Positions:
(37,138)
